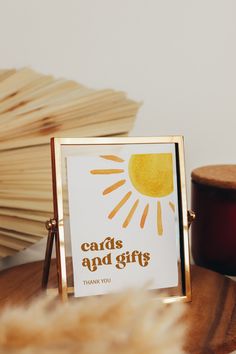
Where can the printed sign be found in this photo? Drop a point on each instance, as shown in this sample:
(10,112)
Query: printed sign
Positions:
(124,218)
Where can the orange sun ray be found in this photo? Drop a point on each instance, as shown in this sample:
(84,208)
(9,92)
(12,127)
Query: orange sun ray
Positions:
(114,187)
(172,206)
(106,171)
(119,205)
(144,216)
(112,158)
(131,213)
(159,220)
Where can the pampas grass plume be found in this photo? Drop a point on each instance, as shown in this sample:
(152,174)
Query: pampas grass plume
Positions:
(132,322)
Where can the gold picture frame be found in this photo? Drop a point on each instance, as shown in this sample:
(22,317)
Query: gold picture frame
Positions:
(62,146)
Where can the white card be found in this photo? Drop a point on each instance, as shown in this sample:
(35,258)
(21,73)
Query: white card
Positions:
(124,221)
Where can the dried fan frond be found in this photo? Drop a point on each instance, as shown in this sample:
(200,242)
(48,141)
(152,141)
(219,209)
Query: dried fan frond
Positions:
(33,108)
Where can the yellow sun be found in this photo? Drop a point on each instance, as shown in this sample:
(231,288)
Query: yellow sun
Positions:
(151,175)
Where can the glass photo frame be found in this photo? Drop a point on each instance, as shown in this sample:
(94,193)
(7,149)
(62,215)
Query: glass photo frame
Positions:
(121,216)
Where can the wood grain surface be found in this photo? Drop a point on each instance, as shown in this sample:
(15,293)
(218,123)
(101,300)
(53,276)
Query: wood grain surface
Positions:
(211,316)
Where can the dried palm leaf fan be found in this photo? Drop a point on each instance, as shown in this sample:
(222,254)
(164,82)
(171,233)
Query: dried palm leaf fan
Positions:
(34,107)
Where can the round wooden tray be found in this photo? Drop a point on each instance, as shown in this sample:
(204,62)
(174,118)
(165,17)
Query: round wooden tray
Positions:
(211,316)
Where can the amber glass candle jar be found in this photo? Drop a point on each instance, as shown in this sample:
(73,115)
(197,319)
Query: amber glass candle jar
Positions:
(213,233)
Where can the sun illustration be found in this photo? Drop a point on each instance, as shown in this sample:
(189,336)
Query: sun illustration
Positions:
(151,175)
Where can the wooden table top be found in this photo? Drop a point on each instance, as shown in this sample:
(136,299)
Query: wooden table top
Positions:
(211,314)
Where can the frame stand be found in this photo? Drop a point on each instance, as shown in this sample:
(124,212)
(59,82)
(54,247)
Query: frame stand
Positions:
(191,217)
(51,226)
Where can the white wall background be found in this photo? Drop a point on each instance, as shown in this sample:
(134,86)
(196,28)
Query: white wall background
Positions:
(177,56)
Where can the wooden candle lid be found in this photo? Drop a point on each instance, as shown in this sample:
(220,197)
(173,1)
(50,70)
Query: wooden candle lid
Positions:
(222,176)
